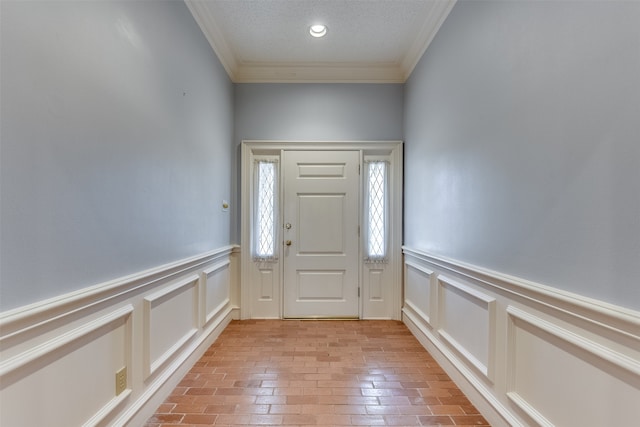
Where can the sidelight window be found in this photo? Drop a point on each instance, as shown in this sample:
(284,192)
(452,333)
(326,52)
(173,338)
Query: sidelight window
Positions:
(376,211)
(265,213)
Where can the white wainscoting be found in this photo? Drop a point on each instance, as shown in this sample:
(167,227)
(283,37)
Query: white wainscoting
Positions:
(525,354)
(156,323)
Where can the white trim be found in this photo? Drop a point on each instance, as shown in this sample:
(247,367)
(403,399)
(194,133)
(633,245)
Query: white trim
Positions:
(486,299)
(392,150)
(30,317)
(426,35)
(469,357)
(421,314)
(418,267)
(429,318)
(30,334)
(593,331)
(175,370)
(490,306)
(614,318)
(205,317)
(319,72)
(462,375)
(151,366)
(107,409)
(216,40)
(56,343)
(605,354)
(216,310)
(517,400)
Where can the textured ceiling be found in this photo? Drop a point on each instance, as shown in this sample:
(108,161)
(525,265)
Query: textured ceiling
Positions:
(367,40)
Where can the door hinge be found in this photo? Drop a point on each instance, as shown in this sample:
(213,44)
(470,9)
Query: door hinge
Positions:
(358,231)
(358,291)
(358,169)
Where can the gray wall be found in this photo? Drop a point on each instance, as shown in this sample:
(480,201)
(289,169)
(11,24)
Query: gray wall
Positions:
(314,112)
(522,144)
(117,124)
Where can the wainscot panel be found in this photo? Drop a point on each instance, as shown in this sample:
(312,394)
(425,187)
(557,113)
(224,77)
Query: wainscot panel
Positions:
(154,324)
(471,335)
(419,291)
(169,321)
(525,354)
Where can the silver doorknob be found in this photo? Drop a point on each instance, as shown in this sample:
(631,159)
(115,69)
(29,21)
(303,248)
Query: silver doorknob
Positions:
(288,243)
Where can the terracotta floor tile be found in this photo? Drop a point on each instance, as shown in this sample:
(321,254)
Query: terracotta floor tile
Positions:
(199,419)
(272,400)
(166,408)
(317,409)
(382,410)
(367,420)
(316,373)
(187,408)
(436,420)
(304,399)
(401,420)
(469,420)
(285,409)
(446,409)
(200,391)
(233,419)
(260,420)
(334,420)
(298,419)
(252,409)
(220,409)
(166,418)
(350,409)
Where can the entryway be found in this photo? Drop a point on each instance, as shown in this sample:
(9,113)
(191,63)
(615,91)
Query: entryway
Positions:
(321,230)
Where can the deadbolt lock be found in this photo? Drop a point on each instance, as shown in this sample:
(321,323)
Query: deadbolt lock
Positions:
(288,243)
(287,226)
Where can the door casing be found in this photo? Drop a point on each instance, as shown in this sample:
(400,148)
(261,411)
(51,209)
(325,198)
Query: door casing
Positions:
(261,284)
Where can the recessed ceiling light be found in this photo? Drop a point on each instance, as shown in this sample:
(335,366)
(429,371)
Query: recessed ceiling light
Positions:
(318,30)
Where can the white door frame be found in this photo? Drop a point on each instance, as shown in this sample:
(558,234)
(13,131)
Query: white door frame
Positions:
(261,284)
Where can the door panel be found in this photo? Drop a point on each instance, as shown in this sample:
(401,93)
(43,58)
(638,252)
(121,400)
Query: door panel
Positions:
(320,285)
(321,233)
(325,212)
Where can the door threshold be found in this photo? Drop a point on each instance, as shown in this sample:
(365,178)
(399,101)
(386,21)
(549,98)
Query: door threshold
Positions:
(320,318)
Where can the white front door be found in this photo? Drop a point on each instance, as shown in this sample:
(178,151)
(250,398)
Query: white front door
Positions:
(321,226)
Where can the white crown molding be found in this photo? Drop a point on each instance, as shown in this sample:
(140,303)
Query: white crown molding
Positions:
(214,36)
(362,72)
(319,73)
(440,11)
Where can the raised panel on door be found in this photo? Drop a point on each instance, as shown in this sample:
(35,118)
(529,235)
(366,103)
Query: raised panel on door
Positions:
(321,249)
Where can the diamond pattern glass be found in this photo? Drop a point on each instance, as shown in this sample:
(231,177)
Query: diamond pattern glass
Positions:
(376,208)
(265,246)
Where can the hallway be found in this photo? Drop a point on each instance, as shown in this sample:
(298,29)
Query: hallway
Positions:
(320,373)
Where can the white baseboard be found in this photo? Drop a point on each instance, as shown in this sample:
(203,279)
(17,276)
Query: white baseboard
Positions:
(53,351)
(525,354)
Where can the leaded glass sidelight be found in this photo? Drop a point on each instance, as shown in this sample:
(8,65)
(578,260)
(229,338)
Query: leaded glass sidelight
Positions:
(376,211)
(265,201)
